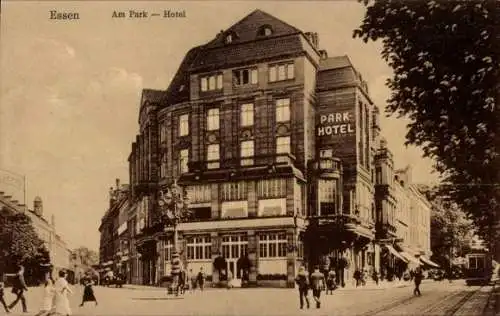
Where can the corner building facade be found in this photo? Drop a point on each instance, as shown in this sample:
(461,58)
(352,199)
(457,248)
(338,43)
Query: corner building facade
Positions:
(274,142)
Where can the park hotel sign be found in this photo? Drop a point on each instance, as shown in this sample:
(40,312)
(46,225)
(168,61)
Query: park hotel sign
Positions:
(335,124)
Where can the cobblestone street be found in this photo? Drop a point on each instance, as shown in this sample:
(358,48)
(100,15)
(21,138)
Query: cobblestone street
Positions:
(438,298)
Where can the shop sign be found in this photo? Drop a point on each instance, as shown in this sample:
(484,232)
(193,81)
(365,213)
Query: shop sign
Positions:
(336,124)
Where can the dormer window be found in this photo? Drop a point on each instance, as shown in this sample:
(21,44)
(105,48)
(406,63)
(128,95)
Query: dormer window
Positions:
(229,39)
(265,30)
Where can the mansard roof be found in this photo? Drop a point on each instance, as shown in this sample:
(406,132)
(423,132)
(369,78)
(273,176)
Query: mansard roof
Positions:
(217,53)
(247,29)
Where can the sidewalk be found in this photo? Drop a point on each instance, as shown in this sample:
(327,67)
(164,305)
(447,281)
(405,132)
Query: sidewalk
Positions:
(382,285)
(349,287)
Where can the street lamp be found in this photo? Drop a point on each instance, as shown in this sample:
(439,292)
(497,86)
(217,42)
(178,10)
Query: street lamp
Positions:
(174,208)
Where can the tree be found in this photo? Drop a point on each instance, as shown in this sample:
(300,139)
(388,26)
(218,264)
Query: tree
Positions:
(87,256)
(451,230)
(20,244)
(445,59)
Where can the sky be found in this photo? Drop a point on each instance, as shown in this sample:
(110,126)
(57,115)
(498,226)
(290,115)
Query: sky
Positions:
(70,90)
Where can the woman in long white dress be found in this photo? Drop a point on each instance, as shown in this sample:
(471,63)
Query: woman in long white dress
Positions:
(48,296)
(62,289)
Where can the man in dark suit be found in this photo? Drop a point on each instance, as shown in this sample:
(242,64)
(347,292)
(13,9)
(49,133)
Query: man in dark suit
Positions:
(18,288)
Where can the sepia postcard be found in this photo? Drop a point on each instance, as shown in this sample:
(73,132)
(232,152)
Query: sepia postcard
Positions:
(228,158)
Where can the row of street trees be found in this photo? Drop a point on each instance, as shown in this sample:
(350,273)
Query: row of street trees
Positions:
(445,58)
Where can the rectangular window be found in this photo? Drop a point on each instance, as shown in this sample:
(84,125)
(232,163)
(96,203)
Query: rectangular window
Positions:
(327,197)
(213,156)
(183,160)
(234,247)
(247,153)
(270,189)
(247,114)
(281,72)
(163,133)
(245,76)
(254,76)
(199,248)
(282,110)
(213,119)
(234,191)
(163,166)
(204,84)
(283,145)
(273,245)
(219,81)
(199,193)
(211,82)
(184,125)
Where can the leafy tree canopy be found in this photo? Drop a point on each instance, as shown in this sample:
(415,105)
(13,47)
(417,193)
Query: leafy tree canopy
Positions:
(87,256)
(445,59)
(451,230)
(19,243)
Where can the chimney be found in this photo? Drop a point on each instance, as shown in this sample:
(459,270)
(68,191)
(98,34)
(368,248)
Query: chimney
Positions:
(38,206)
(53,221)
(315,39)
(118,184)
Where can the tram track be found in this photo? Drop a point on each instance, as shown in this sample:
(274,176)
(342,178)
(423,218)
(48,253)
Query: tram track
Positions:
(447,306)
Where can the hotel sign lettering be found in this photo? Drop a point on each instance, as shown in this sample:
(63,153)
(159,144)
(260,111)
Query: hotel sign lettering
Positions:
(335,124)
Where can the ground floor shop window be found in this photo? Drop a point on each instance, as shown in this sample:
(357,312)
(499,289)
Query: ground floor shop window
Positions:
(199,247)
(272,245)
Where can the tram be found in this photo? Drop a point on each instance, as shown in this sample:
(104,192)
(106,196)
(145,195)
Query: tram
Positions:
(478,270)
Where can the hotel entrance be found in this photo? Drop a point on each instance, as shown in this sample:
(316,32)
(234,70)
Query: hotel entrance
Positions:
(233,248)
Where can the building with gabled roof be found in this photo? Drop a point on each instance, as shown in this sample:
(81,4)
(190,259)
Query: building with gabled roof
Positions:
(274,142)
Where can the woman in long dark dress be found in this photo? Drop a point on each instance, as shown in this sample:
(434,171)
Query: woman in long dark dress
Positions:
(88,292)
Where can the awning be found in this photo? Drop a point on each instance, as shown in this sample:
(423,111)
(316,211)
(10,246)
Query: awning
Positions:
(428,262)
(395,253)
(410,258)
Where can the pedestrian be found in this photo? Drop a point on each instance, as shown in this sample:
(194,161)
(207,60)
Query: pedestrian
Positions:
(194,280)
(2,298)
(201,278)
(62,289)
(417,278)
(18,288)
(48,296)
(229,279)
(88,291)
(375,276)
(302,281)
(330,282)
(357,277)
(317,285)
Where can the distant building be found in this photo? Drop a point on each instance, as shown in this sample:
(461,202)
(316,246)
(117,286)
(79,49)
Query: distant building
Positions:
(112,253)
(57,247)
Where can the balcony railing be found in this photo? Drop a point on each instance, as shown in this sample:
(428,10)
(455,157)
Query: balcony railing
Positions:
(327,164)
